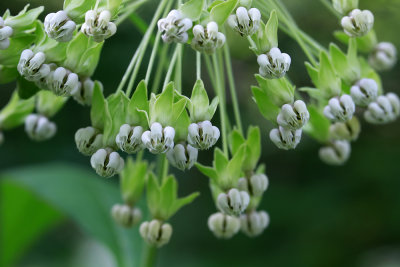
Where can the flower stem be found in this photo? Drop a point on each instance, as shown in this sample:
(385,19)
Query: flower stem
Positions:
(159,70)
(328,5)
(129,10)
(198,66)
(150,255)
(171,67)
(152,57)
(178,69)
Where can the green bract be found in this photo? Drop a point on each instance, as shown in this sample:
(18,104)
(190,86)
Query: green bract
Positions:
(346,66)
(76,9)
(318,126)
(192,9)
(199,105)
(133,178)
(221,10)
(24,22)
(162,200)
(14,113)
(365,43)
(48,104)
(267,36)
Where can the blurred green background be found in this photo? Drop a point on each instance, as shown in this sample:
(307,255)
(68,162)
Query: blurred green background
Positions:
(320,215)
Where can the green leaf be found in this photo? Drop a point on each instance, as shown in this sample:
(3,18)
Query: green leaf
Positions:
(234,167)
(214,3)
(76,9)
(8,74)
(24,21)
(318,126)
(365,43)
(98,113)
(168,196)
(235,141)
(48,104)
(161,109)
(153,194)
(220,161)
(89,59)
(133,178)
(271,30)
(181,202)
(265,105)
(10,56)
(198,104)
(15,112)
(253,149)
(347,66)
(207,171)
(192,9)
(177,109)
(313,73)
(117,105)
(220,13)
(75,50)
(181,127)
(26,89)
(328,80)
(138,102)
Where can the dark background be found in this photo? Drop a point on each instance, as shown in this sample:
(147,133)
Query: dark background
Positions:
(320,215)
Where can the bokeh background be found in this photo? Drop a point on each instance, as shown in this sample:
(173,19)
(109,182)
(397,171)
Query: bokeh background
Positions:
(320,215)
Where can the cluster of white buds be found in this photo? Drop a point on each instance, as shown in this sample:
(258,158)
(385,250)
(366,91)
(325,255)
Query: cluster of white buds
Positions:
(88,140)
(129,138)
(126,215)
(337,153)
(107,162)
(203,135)
(293,117)
(158,139)
(42,83)
(174,27)
(183,156)
(340,108)
(84,95)
(59,27)
(245,22)
(39,128)
(348,130)
(156,233)
(223,226)
(63,82)
(254,223)
(31,66)
(98,26)
(274,64)
(358,23)
(209,39)
(234,202)
(383,57)
(364,92)
(385,109)
(284,138)
(5,34)
(256,185)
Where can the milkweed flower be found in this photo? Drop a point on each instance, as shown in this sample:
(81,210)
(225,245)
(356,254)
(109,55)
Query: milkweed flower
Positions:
(340,108)
(358,23)
(383,57)
(254,223)
(203,135)
(337,153)
(274,64)
(207,39)
(158,139)
(223,226)
(294,116)
(126,215)
(31,66)
(364,92)
(183,156)
(234,202)
(174,27)
(129,138)
(5,34)
(245,22)
(156,233)
(39,128)
(88,140)
(284,138)
(107,162)
(98,26)
(59,27)
(385,109)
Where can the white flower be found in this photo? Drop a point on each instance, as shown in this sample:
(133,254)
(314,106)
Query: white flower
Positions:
(383,57)
(364,92)
(84,95)
(203,135)
(129,138)
(245,22)
(174,27)
(348,130)
(234,202)
(207,40)
(358,23)
(344,6)
(183,157)
(98,26)
(88,140)
(39,128)
(384,110)
(42,83)
(256,186)
(340,108)
(294,116)
(126,215)
(159,139)
(59,27)
(223,226)
(284,138)
(63,82)
(274,64)
(31,66)
(156,233)
(107,162)
(5,34)
(337,153)
(254,223)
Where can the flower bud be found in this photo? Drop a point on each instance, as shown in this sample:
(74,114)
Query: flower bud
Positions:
(245,22)
(358,23)
(98,26)
(158,139)
(223,226)
(42,83)
(156,233)
(62,82)
(203,135)
(383,57)
(234,202)
(174,27)
(364,92)
(39,128)
(294,116)
(284,138)
(107,162)
(344,6)
(256,185)
(5,34)
(85,92)
(274,64)
(182,157)
(207,40)
(384,110)
(337,153)
(129,138)
(126,215)
(59,27)
(254,223)
(88,140)
(340,108)
(31,66)
(348,130)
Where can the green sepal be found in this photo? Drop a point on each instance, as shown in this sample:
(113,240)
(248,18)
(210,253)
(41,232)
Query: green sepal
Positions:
(10,56)
(318,126)
(365,43)
(220,12)
(14,113)
(24,22)
(193,9)
(199,104)
(98,111)
(48,104)
(265,105)
(162,200)
(347,66)
(267,37)
(26,89)
(181,127)
(133,178)
(138,106)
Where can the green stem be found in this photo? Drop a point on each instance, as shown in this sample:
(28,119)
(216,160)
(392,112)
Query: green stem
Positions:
(328,5)
(162,167)
(129,69)
(171,67)
(150,255)
(159,70)
(198,65)
(178,69)
(152,57)
(129,10)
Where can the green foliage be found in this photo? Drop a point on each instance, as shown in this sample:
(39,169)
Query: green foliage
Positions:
(133,178)
(267,36)
(14,113)
(318,126)
(98,112)
(76,9)
(48,104)
(24,22)
(138,106)
(221,11)
(192,9)
(199,104)
(346,66)
(181,127)
(365,43)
